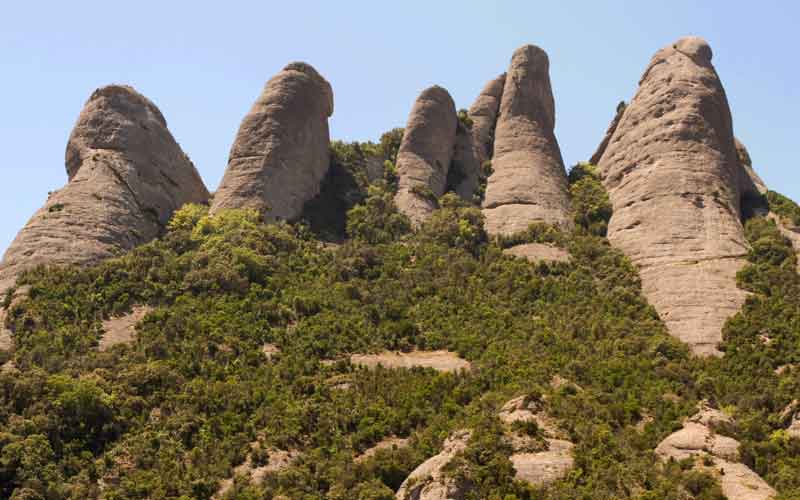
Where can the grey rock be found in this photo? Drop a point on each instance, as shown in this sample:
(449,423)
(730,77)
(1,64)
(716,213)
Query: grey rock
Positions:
(127,176)
(612,127)
(672,174)
(528,183)
(425,153)
(281,152)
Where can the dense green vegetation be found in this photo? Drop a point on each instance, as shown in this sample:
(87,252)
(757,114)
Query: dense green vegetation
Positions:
(172,414)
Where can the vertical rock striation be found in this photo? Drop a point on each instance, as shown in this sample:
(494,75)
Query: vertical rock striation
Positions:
(671,170)
(127,175)
(281,152)
(528,183)
(425,153)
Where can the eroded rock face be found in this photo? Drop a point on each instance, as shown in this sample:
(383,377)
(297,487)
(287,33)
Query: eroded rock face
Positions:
(425,153)
(697,439)
(483,113)
(671,170)
(612,127)
(281,152)
(465,167)
(127,175)
(528,183)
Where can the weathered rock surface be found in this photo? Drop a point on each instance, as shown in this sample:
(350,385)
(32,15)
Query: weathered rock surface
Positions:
(425,153)
(483,113)
(750,184)
(122,329)
(538,252)
(385,444)
(443,361)
(6,341)
(534,466)
(127,175)
(281,152)
(671,172)
(612,127)
(528,183)
(697,439)
(790,417)
(429,482)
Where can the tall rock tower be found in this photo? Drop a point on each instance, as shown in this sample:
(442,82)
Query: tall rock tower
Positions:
(672,173)
(425,153)
(127,175)
(529,183)
(280,154)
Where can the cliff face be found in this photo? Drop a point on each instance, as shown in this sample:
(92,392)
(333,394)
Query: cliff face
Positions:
(127,175)
(528,183)
(425,153)
(280,154)
(672,173)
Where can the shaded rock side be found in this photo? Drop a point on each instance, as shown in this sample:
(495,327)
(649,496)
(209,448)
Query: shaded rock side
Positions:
(127,175)
(464,174)
(281,151)
(425,153)
(716,454)
(671,171)
(750,184)
(528,183)
(483,114)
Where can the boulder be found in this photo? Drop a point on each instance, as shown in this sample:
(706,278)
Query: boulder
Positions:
(425,153)
(671,171)
(528,183)
(127,175)
(281,152)
(716,454)
(429,481)
(483,114)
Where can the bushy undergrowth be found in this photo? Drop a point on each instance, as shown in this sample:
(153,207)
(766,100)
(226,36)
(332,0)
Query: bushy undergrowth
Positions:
(171,414)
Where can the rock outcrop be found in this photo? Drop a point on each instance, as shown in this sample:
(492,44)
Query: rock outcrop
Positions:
(538,460)
(671,172)
(425,153)
(122,329)
(538,252)
(483,114)
(443,361)
(281,152)
(528,183)
(127,175)
(465,169)
(716,454)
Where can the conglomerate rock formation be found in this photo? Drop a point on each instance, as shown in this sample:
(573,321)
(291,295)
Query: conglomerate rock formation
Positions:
(671,171)
(127,175)
(483,114)
(425,153)
(281,153)
(528,183)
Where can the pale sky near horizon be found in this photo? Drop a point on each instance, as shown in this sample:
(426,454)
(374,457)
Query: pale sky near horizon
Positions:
(203,64)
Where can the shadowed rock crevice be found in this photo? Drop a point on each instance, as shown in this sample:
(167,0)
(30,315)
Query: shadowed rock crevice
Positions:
(528,183)
(280,154)
(673,177)
(127,175)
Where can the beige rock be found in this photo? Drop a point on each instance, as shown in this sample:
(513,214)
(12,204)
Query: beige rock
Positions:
(672,174)
(697,439)
(483,113)
(443,361)
(127,175)
(6,341)
(281,152)
(528,183)
(385,444)
(538,252)
(429,482)
(790,418)
(122,329)
(544,467)
(749,181)
(270,350)
(425,153)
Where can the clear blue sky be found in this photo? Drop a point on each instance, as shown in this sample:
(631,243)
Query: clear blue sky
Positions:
(203,64)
